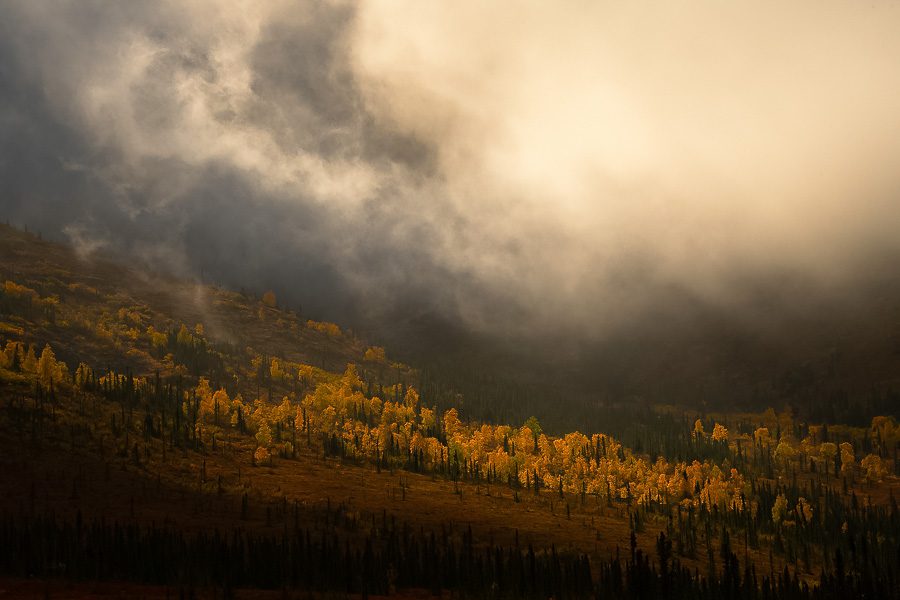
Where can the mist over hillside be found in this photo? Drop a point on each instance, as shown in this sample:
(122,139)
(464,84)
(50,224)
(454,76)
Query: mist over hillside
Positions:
(600,201)
(509,300)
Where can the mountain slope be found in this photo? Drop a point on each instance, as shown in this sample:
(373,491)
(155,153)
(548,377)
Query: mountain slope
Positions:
(179,423)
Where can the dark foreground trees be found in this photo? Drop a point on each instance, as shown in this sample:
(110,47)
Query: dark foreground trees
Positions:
(387,557)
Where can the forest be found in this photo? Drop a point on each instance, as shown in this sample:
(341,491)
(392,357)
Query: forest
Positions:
(188,440)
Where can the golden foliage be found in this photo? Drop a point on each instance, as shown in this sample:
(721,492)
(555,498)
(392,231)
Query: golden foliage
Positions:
(411,400)
(885,431)
(275,369)
(12,354)
(130,316)
(83,374)
(720,433)
(158,339)
(698,429)
(375,354)
(873,467)
(264,434)
(828,450)
(762,437)
(779,509)
(11,329)
(15,290)
(184,337)
(452,425)
(29,364)
(426,417)
(848,459)
(262,455)
(785,452)
(237,408)
(324,327)
(49,370)
(79,287)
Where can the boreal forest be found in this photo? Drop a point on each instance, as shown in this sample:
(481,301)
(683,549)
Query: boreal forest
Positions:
(352,299)
(179,438)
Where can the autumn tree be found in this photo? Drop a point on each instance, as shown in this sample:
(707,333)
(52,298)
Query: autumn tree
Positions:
(83,375)
(262,455)
(375,354)
(779,509)
(221,406)
(237,412)
(13,356)
(426,419)
(29,363)
(411,400)
(720,433)
(762,437)
(828,451)
(48,369)
(804,510)
(324,327)
(848,460)
(158,340)
(534,425)
(785,452)
(264,434)
(873,467)
(204,397)
(885,432)
(452,424)
(275,370)
(699,433)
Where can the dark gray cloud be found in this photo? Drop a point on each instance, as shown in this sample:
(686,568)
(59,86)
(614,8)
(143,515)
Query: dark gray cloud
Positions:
(586,175)
(97,169)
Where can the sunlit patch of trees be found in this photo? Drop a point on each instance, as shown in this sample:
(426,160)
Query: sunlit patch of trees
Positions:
(324,327)
(46,369)
(15,297)
(715,488)
(375,354)
(752,495)
(404,433)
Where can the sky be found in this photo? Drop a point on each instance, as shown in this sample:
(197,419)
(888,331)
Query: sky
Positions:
(516,169)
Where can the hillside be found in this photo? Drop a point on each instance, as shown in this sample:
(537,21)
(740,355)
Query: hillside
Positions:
(98,302)
(191,425)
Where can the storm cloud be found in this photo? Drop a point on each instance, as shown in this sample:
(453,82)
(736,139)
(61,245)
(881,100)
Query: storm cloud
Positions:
(515,168)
